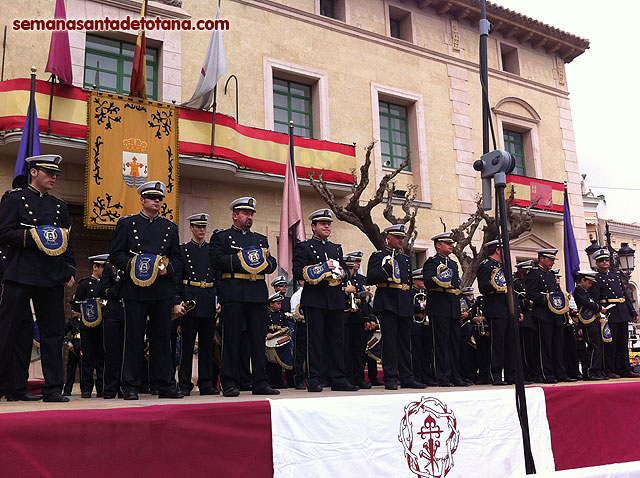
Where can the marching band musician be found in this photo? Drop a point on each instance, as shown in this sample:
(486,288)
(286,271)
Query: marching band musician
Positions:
(549,308)
(390,270)
(113,330)
(608,290)
(146,247)
(40,263)
(279,285)
(197,284)
(319,262)
(277,325)
(86,301)
(469,339)
(356,321)
(493,286)
(73,342)
(421,333)
(528,325)
(442,279)
(243,260)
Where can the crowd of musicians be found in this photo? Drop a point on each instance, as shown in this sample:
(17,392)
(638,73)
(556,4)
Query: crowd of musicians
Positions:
(151,303)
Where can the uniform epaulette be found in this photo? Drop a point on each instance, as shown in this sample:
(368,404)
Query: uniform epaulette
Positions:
(60,200)
(261,235)
(14,190)
(169,221)
(485,261)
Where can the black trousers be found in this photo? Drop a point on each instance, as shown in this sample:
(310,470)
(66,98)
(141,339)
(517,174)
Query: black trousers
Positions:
(571,360)
(503,350)
(300,353)
(73,363)
(593,338)
(551,343)
(15,378)
(161,369)
(396,348)
(113,335)
(530,353)
(446,338)
(353,351)
(325,345)
(422,352)
(616,352)
(92,359)
(255,320)
(17,332)
(205,329)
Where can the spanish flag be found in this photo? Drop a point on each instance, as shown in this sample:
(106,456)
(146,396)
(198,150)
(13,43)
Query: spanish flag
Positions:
(138,86)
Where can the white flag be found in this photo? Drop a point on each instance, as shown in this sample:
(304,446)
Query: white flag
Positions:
(215,66)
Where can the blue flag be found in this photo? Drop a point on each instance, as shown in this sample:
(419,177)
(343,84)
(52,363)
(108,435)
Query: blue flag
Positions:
(20,172)
(571,259)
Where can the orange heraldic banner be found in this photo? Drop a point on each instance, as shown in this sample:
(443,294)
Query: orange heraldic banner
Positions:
(129,142)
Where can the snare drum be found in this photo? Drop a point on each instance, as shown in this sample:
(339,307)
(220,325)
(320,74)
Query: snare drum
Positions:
(280,350)
(374,346)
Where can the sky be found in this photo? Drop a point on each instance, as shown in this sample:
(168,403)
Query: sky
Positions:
(604,92)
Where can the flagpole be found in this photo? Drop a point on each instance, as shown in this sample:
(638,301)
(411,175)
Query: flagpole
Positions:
(53,82)
(213,118)
(32,99)
(4,49)
(294,236)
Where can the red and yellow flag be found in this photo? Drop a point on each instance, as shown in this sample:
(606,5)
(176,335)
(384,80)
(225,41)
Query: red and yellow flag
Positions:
(138,86)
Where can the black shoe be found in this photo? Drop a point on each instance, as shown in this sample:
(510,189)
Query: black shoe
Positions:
(594,377)
(231,392)
(482,382)
(550,380)
(538,380)
(155,392)
(245,388)
(26,397)
(431,383)
(170,393)
(460,383)
(344,387)
(109,395)
(301,386)
(145,391)
(499,383)
(85,395)
(130,395)
(364,385)
(579,377)
(566,378)
(413,384)
(391,386)
(469,382)
(314,387)
(604,377)
(186,393)
(445,384)
(66,394)
(55,397)
(267,390)
(208,391)
(375,383)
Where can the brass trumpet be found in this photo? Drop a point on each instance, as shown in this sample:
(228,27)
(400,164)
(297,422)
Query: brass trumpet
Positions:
(188,305)
(352,305)
(420,299)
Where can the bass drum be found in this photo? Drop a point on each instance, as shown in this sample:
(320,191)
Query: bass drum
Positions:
(280,350)
(374,346)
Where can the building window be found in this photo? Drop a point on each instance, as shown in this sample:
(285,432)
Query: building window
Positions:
(514,144)
(108,65)
(509,57)
(336,9)
(400,24)
(394,134)
(328,8)
(292,102)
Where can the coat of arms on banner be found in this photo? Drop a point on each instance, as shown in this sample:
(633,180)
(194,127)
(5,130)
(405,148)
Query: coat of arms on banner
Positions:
(135,169)
(429,435)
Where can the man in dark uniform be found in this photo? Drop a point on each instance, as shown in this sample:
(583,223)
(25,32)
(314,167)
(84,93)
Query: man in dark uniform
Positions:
(442,279)
(608,290)
(34,226)
(421,333)
(74,358)
(320,264)
(279,285)
(590,315)
(356,320)
(91,328)
(493,286)
(390,270)
(197,284)
(242,257)
(277,325)
(469,346)
(113,330)
(528,325)
(543,290)
(146,247)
